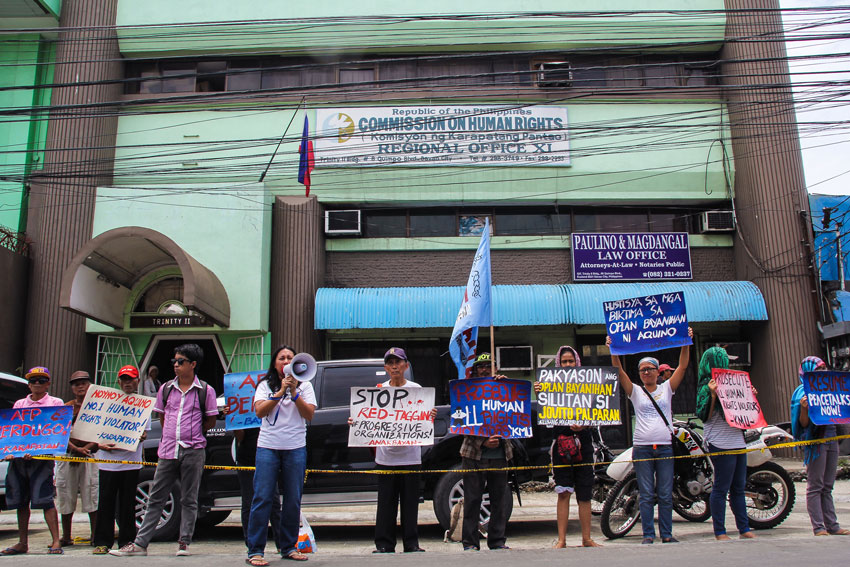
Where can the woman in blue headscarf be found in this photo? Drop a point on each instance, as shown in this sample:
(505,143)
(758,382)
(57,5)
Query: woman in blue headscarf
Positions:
(821,459)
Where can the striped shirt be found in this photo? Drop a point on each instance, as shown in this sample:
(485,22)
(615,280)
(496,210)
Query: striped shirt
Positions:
(721,434)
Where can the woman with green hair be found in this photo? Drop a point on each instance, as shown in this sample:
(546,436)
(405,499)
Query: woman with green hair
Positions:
(730,471)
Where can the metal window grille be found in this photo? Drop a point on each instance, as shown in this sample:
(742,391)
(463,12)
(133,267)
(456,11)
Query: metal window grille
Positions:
(112,353)
(248,354)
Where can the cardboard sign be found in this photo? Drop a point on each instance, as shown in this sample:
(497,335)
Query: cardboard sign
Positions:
(391,417)
(736,397)
(111,416)
(239,389)
(583,395)
(643,324)
(485,407)
(829,396)
(35,431)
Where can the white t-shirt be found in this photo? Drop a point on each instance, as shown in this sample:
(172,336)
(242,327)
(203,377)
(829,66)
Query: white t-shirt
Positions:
(284,428)
(399,456)
(650,429)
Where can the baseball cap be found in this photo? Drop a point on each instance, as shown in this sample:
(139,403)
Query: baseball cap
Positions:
(396,352)
(79,375)
(129,370)
(664,367)
(483,358)
(38,371)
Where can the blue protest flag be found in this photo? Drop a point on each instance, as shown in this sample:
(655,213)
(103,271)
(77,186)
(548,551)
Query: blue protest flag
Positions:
(475,310)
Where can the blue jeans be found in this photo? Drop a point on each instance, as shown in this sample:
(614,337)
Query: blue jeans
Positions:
(274,466)
(655,483)
(730,476)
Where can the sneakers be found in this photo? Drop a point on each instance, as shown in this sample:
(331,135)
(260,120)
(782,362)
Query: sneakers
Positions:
(182,549)
(100,550)
(128,550)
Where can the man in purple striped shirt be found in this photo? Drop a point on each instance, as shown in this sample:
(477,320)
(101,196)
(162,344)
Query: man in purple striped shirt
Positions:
(181,448)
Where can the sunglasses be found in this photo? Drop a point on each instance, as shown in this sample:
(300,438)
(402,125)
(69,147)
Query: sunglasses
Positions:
(179,361)
(39,381)
(647,370)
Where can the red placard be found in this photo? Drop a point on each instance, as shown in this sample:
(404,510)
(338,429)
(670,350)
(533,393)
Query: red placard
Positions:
(736,397)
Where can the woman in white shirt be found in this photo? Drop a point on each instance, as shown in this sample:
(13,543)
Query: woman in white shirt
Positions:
(285,405)
(652,444)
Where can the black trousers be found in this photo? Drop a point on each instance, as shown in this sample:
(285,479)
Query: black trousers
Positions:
(392,489)
(474,486)
(117,491)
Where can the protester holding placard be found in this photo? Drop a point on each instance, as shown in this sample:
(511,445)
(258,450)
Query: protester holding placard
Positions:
(118,480)
(730,471)
(653,448)
(492,453)
(74,478)
(821,459)
(187,409)
(29,483)
(395,489)
(572,444)
(284,405)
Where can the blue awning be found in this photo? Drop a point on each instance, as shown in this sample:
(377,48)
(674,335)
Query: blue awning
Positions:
(525,305)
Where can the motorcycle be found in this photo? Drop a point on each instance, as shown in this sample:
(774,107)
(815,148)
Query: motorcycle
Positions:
(770,492)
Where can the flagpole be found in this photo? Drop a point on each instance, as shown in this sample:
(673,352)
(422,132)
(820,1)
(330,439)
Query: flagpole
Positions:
(492,332)
(274,153)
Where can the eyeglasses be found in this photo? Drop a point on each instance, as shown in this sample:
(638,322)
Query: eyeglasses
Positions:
(648,369)
(38,381)
(179,361)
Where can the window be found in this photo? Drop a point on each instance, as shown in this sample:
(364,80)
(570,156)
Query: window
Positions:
(624,72)
(337,383)
(610,220)
(512,222)
(661,75)
(182,77)
(433,224)
(357,76)
(669,221)
(211,76)
(244,75)
(473,225)
(385,225)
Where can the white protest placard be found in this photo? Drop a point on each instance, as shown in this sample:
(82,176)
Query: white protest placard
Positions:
(111,416)
(391,417)
(736,397)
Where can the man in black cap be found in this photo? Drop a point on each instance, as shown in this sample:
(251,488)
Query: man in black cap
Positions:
(485,453)
(395,488)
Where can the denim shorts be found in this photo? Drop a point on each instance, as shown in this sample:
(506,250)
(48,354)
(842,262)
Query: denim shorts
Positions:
(29,484)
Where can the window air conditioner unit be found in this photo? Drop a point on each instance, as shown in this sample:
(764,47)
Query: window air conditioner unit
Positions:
(717,221)
(553,74)
(739,353)
(342,222)
(515,357)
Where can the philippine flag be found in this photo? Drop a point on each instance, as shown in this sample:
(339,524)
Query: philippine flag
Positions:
(306,161)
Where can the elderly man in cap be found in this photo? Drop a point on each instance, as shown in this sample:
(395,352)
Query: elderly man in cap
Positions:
(395,488)
(118,480)
(29,483)
(74,478)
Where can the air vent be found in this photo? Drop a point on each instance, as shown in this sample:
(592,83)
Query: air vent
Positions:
(553,74)
(515,357)
(717,221)
(342,222)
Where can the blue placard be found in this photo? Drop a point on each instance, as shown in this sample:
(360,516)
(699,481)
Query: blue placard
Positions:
(485,407)
(643,324)
(35,430)
(239,389)
(829,396)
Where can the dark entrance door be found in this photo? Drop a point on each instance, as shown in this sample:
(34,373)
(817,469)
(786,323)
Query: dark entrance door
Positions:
(210,369)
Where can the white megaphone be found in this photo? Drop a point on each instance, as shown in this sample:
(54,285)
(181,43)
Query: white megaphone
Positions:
(302,367)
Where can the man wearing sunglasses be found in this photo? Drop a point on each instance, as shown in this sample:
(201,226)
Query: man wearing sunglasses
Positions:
(187,409)
(29,483)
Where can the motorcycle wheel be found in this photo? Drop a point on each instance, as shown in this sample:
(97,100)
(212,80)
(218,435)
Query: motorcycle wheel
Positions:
(698,511)
(770,495)
(621,510)
(597,498)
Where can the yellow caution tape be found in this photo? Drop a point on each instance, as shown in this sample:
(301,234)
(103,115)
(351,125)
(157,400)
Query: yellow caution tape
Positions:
(783,445)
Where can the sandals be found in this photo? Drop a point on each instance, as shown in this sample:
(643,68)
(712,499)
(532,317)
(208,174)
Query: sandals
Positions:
(64,542)
(14,550)
(55,551)
(257,561)
(295,555)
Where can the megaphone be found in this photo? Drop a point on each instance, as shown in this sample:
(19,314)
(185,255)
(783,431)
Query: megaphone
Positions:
(302,367)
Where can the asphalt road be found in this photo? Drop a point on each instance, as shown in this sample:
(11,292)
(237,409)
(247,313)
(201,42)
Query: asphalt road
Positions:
(344,537)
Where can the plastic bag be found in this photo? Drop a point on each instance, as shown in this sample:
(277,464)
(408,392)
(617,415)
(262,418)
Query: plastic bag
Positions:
(306,540)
